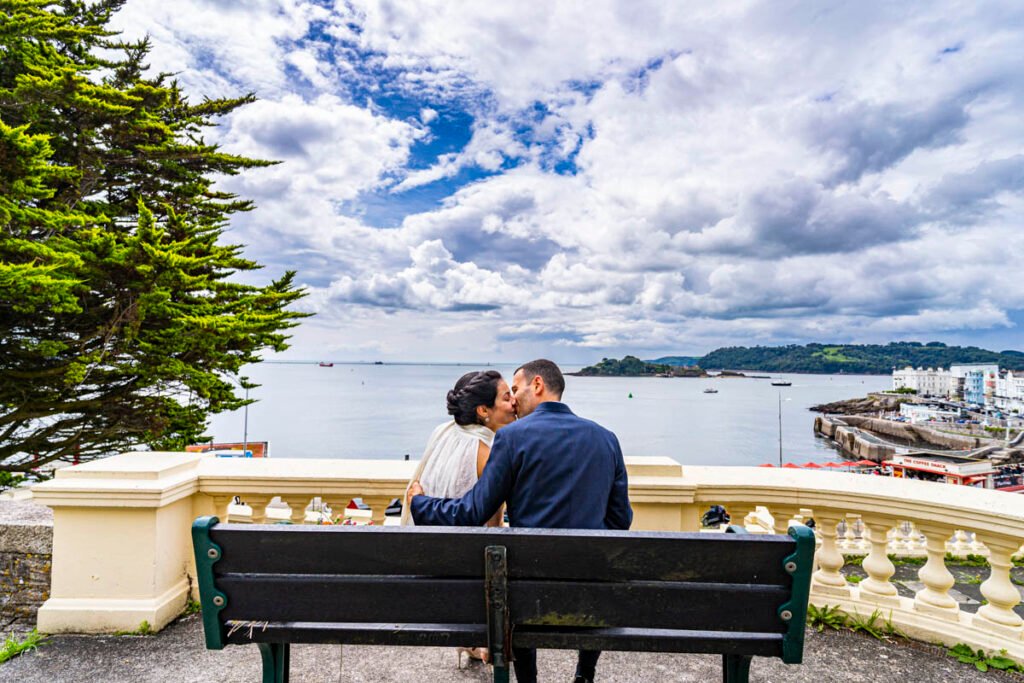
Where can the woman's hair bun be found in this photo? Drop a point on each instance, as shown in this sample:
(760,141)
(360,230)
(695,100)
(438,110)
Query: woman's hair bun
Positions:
(477,388)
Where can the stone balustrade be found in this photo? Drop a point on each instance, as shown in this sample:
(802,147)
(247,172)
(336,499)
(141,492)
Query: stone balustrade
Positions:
(122,547)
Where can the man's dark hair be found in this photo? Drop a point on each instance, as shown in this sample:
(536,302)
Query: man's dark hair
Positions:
(477,388)
(548,371)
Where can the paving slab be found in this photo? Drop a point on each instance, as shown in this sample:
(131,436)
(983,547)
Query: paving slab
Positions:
(178,654)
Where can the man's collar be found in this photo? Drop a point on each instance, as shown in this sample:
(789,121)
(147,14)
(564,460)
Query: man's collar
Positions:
(553,407)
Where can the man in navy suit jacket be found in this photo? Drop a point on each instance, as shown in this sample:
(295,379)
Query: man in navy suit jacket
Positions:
(553,469)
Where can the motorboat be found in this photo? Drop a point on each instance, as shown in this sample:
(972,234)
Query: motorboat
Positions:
(781,383)
(709,390)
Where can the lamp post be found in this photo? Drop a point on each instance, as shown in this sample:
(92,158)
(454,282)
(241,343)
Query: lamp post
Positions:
(780,429)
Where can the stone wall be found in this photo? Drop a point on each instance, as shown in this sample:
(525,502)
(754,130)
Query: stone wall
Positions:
(26,541)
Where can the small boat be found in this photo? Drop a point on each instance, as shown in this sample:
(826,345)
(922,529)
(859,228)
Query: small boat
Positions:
(326,364)
(709,390)
(781,383)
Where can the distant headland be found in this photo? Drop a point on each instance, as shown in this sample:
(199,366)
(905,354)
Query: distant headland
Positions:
(828,359)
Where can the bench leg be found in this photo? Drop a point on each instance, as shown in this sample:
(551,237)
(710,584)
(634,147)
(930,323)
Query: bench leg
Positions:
(275,662)
(500,674)
(736,668)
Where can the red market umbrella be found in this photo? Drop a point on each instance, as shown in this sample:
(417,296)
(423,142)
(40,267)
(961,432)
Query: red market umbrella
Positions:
(767,464)
(812,465)
(835,464)
(792,466)
(866,463)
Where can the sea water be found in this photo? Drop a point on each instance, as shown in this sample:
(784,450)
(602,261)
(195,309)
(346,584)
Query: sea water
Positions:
(388,411)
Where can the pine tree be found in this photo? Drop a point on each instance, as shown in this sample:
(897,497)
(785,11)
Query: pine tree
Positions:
(122,323)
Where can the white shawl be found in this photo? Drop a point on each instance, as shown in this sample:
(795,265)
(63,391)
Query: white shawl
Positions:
(448,466)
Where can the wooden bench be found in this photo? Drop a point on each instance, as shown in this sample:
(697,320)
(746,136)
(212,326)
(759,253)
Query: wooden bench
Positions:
(734,595)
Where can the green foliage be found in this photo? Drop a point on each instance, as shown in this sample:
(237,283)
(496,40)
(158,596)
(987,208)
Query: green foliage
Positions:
(122,316)
(869,624)
(981,661)
(970,560)
(631,366)
(854,560)
(10,481)
(192,607)
(911,560)
(905,390)
(826,616)
(683,361)
(144,629)
(854,578)
(12,647)
(854,358)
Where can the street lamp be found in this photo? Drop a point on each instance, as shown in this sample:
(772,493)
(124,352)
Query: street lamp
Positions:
(780,427)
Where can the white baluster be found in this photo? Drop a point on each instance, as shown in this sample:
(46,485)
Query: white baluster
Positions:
(278,511)
(239,512)
(738,513)
(962,544)
(827,579)
(1002,595)
(934,598)
(877,587)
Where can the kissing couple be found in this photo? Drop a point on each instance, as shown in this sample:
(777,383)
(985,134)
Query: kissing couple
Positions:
(523,449)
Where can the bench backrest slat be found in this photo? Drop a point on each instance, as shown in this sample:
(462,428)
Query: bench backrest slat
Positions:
(533,553)
(400,599)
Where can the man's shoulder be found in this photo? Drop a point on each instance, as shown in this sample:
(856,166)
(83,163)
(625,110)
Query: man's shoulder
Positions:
(577,422)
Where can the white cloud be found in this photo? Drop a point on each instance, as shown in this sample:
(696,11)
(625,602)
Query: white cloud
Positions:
(648,175)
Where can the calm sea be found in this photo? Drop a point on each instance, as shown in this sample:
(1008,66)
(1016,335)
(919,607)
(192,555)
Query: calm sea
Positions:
(387,411)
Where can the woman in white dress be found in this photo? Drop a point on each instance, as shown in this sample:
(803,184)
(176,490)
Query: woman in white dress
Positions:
(458,449)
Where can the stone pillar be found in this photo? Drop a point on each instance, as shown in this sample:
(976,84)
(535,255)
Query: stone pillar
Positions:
(121,542)
(934,598)
(998,615)
(877,587)
(827,580)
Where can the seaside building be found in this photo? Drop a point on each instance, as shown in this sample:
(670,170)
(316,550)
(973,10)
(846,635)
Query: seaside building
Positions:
(976,381)
(1009,392)
(926,382)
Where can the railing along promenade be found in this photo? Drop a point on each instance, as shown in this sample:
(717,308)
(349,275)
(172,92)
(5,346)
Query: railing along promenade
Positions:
(122,548)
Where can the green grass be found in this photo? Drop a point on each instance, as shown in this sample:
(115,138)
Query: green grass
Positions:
(855,578)
(144,629)
(192,607)
(983,661)
(12,647)
(834,354)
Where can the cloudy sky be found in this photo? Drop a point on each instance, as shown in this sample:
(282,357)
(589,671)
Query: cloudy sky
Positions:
(496,181)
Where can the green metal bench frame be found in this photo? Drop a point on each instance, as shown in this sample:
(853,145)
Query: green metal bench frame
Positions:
(263,556)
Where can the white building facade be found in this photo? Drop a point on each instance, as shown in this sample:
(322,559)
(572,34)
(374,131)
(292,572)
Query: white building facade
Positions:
(1009,392)
(926,382)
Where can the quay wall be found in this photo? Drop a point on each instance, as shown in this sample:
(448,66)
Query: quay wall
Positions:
(843,430)
(26,547)
(850,440)
(916,433)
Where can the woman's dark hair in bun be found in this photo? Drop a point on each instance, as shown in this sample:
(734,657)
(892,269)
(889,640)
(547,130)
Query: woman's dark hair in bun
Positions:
(477,388)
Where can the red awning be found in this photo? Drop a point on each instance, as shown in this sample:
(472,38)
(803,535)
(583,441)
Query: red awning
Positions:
(792,466)
(835,464)
(812,465)
(767,464)
(866,463)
